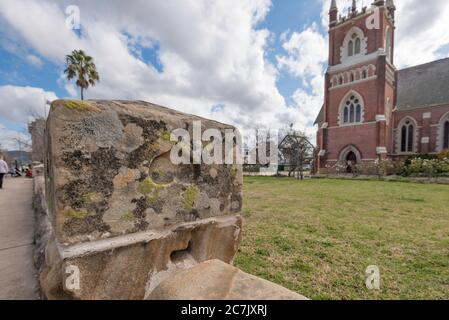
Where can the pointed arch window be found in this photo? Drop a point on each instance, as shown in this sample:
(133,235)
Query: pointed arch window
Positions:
(350,48)
(358,113)
(357,46)
(352,110)
(446,135)
(354,45)
(407,137)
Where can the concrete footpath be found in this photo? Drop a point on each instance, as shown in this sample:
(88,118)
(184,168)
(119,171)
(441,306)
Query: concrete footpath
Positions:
(17,273)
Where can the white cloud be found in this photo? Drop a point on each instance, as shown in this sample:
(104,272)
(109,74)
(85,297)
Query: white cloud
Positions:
(305,58)
(18,107)
(212,52)
(421,31)
(34,60)
(21,104)
(10,139)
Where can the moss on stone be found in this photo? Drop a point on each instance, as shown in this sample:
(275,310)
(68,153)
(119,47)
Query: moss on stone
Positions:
(92,197)
(166,135)
(152,200)
(190,196)
(234,171)
(77,105)
(148,186)
(128,216)
(76,214)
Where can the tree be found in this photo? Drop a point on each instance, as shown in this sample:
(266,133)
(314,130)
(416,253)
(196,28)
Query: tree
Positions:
(83,67)
(296,152)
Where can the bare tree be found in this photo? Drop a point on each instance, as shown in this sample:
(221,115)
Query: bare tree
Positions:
(296,152)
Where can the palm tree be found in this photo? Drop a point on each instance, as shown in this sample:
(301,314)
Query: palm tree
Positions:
(83,67)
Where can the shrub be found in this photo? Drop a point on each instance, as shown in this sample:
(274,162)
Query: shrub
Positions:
(443,155)
(427,166)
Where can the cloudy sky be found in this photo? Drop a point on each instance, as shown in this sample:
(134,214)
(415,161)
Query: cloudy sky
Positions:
(244,62)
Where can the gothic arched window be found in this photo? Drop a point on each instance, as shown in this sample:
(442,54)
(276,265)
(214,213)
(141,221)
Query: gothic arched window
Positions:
(354,44)
(357,46)
(358,113)
(364,74)
(407,137)
(352,110)
(350,48)
(446,135)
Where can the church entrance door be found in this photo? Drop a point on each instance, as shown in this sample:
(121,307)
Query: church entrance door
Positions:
(351,160)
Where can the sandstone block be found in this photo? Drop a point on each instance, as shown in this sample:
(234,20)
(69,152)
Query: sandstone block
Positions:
(128,267)
(216,280)
(108,171)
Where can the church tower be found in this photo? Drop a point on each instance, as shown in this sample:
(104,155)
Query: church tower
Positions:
(360,90)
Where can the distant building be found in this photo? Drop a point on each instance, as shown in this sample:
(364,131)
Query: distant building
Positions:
(372,110)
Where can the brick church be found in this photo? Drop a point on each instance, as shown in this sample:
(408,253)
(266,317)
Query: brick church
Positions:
(373,110)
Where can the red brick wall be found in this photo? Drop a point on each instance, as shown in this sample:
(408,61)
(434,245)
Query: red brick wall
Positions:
(426,127)
(376,36)
(369,135)
(360,136)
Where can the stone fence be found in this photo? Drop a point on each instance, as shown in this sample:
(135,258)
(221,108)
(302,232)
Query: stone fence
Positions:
(116,219)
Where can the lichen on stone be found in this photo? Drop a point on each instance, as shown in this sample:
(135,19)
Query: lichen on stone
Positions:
(166,135)
(190,196)
(153,199)
(76,214)
(234,171)
(92,197)
(128,216)
(147,186)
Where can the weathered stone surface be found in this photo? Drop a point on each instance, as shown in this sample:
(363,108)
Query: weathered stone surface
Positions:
(126,223)
(216,280)
(36,129)
(38,171)
(109,171)
(42,228)
(127,266)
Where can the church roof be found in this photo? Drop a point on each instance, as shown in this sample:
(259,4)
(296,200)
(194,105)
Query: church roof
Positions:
(424,85)
(320,116)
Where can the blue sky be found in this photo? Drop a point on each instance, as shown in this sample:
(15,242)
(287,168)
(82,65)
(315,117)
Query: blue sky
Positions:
(287,16)
(249,63)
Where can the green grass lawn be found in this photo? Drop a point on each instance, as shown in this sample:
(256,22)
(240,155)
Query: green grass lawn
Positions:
(317,237)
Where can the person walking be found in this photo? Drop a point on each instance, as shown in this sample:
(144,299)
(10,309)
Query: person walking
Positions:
(3,170)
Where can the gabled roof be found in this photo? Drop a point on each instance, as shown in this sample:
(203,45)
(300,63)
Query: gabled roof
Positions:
(423,85)
(320,116)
